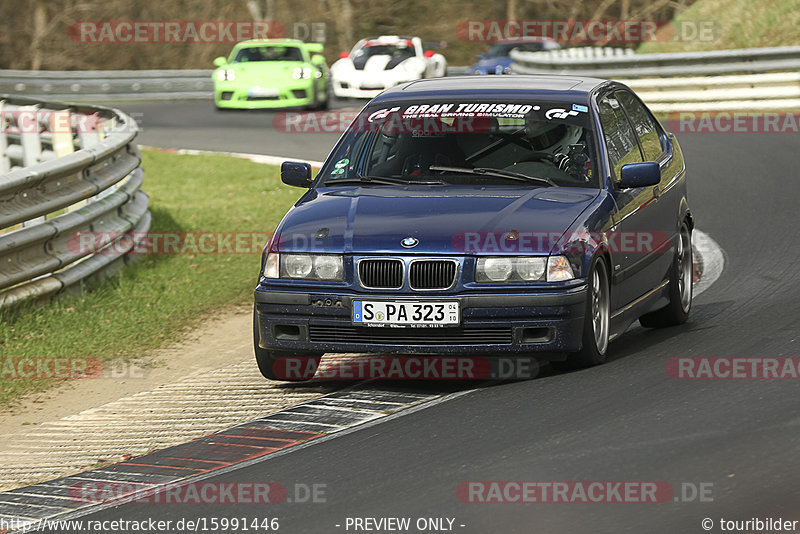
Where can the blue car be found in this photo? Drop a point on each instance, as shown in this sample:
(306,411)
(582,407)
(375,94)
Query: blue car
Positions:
(524,216)
(497,60)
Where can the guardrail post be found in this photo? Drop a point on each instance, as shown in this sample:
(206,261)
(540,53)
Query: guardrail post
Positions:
(29,127)
(5,161)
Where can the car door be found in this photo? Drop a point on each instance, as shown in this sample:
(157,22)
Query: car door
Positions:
(633,273)
(665,207)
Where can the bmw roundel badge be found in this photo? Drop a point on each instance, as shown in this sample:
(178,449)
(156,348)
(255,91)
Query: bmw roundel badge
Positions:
(409,242)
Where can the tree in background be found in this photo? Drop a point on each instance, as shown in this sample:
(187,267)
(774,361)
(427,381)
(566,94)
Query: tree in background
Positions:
(34,33)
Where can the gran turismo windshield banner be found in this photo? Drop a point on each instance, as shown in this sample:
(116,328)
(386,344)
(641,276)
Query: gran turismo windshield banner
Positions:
(463,116)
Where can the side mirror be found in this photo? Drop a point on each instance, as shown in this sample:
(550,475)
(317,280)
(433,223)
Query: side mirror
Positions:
(429,53)
(296,173)
(640,174)
(220,61)
(481,56)
(344,55)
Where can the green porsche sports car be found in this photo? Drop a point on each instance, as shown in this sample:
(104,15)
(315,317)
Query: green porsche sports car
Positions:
(271,73)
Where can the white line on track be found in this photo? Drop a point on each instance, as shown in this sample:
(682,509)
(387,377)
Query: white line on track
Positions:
(256,158)
(713,260)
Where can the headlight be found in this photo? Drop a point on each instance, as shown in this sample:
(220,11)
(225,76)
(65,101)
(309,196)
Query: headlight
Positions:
(494,270)
(297,266)
(226,74)
(303,73)
(530,269)
(523,269)
(305,266)
(328,267)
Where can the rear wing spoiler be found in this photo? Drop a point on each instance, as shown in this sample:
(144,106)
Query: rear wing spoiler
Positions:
(315,48)
(430,45)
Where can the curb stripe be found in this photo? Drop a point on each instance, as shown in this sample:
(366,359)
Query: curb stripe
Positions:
(229,449)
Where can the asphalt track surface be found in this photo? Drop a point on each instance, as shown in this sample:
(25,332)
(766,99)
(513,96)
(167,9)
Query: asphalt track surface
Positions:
(196,124)
(623,421)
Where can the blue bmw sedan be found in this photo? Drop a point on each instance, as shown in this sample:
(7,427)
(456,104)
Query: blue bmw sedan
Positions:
(524,216)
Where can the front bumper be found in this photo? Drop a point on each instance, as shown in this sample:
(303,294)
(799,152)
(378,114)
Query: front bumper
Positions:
(241,97)
(358,87)
(343,89)
(490,324)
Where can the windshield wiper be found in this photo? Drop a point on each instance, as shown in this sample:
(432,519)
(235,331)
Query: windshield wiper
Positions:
(381,180)
(485,171)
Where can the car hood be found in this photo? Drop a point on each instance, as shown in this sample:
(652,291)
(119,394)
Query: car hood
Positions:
(443,219)
(376,66)
(281,70)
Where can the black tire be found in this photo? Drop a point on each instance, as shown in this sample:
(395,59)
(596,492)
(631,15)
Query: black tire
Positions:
(680,287)
(314,105)
(267,358)
(596,323)
(325,104)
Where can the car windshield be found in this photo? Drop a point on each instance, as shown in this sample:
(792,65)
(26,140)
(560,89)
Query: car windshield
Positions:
(268,53)
(398,52)
(501,50)
(504,49)
(542,144)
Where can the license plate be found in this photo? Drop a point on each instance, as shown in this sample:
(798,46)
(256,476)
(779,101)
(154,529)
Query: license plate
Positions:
(263,92)
(405,313)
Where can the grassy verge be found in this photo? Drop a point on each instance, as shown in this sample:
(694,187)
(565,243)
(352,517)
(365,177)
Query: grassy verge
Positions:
(149,304)
(737,24)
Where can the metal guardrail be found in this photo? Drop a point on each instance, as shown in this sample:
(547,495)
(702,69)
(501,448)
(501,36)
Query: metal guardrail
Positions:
(65,170)
(746,79)
(93,85)
(743,61)
(746,92)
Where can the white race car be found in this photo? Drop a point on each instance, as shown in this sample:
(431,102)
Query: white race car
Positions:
(378,63)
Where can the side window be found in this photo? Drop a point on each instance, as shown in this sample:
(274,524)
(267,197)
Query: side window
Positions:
(623,148)
(644,124)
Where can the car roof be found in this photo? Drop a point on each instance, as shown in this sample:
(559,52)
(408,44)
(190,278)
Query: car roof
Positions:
(532,39)
(517,87)
(251,42)
(388,38)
